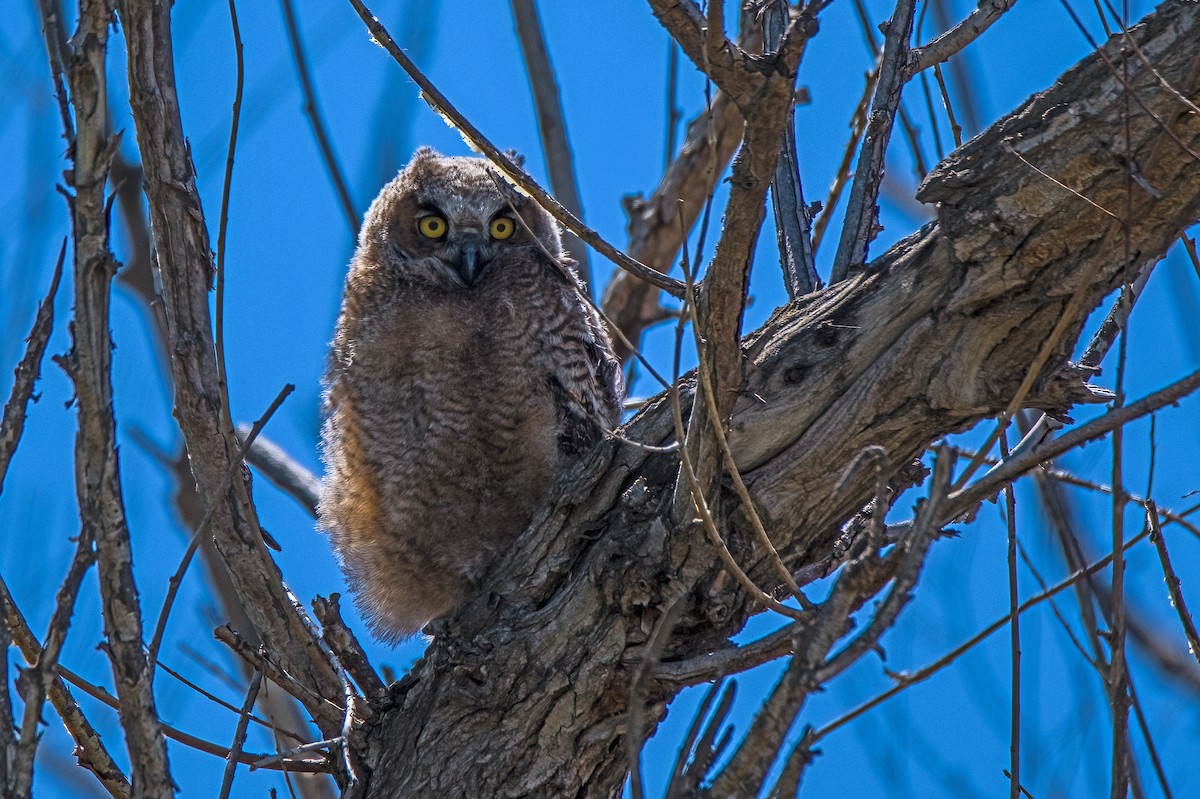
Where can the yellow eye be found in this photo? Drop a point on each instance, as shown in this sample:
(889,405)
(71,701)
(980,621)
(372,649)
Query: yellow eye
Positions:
(432,227)
(502,227)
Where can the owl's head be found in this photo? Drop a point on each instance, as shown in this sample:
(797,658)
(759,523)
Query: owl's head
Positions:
(455,214)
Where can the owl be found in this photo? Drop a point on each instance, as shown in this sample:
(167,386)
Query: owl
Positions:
(467,372)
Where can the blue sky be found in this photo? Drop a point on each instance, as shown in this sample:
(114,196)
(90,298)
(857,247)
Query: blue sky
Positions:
(288,247)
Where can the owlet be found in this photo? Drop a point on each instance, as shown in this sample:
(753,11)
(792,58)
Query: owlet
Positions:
(467,373)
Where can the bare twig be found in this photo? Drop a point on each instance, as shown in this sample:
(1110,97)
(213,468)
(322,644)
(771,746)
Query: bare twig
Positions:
(313,746)
(909,557)
(59,50)
(908,679)
(788,784)
(654,234)
(955,39)
(38,680)
(209,507)
(101,506)
(348,650)
(13,421)
(185,269)
(219,701)
(735,659)
(187,739)
(861,223)
(1014,627)
(1172,581)
(551,125)
(90,749)
(955,128)
(239,736)
(964,499)
(793,218)
(635,716)
(282,471)
(1116,677)
(223,222)
(858,124)
(312,110)
(277,674)
(511,171)
(696,493)
(705,393)
(696,755)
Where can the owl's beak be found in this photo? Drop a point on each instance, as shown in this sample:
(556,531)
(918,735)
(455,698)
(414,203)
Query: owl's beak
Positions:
(471,261)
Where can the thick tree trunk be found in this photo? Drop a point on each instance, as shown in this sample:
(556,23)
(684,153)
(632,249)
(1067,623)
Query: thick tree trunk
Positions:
(525,692)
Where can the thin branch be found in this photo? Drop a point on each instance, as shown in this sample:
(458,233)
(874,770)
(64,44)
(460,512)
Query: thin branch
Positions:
(1144,727)
(673,112)
(1172,581)
(282,471)
(635,716)
(90,749)
(349,652)
(89,364)
(696,493)
(511,171)
(810,665)
(39,679)
(185,272)
(964,499)
(707,394)
(239,736)
(654,235)
(187,739)
(59,50)
(1060,184)
(277,674)
(552,126)
(1116,677)
(222,225)
(954,40)
(209,507)
(860,227)
(1014,652)
(858,124)
(909,679)
(312,110)
(270,725)
(697,755)
(911,555)
(793,217)
(12,424)
(312,746)
(723,662)
(702,39)
(955,128)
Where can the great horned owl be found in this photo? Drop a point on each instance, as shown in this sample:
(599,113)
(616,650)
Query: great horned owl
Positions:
(467,372)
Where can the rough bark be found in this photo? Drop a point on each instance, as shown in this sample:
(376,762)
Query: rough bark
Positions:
(97,470)
(525,691)
(185,267)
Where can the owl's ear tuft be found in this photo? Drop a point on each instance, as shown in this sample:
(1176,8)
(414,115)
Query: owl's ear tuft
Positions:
(424,152)
(515,157)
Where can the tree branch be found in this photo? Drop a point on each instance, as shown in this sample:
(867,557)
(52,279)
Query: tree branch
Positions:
(556,148)
(12,424)
(185,268)
(89,363)
(543,651)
